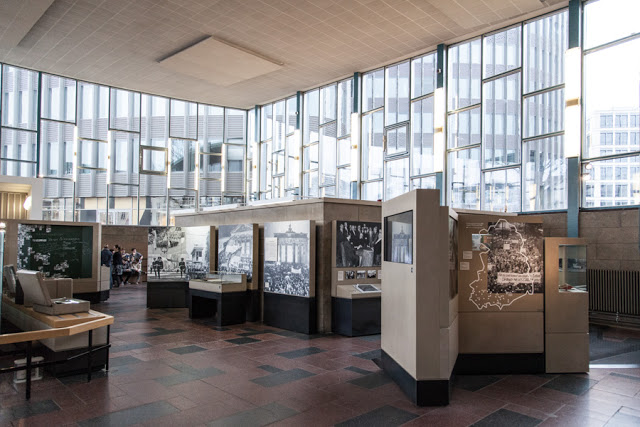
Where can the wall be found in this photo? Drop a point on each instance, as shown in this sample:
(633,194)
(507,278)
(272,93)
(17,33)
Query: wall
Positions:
(611,235)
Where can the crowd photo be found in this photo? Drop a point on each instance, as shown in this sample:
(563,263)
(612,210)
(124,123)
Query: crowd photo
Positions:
(515,261)
(358,244)
(287,259)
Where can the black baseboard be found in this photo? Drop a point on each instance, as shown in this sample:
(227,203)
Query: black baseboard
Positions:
(253,305)
(421,393)
(225,308)
(290,312)
(355,317)
(167,294)
(485,364)
(93,297)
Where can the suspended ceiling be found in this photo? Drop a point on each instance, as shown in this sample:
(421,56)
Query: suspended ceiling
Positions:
(123,43)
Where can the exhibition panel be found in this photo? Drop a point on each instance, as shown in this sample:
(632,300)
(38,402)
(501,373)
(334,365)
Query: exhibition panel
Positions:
(356,276)
(221,296)
(501,282)
(238,253)
(289,275)
(419,318)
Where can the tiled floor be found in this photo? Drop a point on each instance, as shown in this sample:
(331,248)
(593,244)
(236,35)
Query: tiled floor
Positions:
(167,370)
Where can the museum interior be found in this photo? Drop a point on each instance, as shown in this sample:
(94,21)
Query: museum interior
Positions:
(362,212)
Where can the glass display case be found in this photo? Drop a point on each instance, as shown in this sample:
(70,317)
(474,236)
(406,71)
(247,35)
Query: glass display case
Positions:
(220,281)
(572,268)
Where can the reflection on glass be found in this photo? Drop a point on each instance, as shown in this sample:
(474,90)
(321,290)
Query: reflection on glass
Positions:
(464,128)
(372,145)
(372,90)
(544,113)
(423,75)
(422,129)
(463,81)
(397,93)
(545,41)
(464,178)
(572,268)
(502,190)
(545,172)
(501,121)
(501,52)
(396,178)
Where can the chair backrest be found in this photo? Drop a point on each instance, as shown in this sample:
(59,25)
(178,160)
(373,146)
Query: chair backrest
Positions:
(35,291)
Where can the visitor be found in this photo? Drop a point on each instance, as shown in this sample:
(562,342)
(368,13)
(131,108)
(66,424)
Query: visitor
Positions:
(106,258)
(117,267)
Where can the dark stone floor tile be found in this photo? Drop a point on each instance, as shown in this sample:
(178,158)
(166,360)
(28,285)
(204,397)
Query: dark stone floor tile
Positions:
(294,354)
(254,332)
(261,416)
(176,379)
(371,338)
(187,349)
(82,378)
(26,410)
(383,416)
(148,319)
(243,340)
(474,382)
(282,377)
(507,418)
(130,416)
(369,355)
(123,360)
(629,377)
(371,381)
(570,384)
(358,370)
(161,331)
(197,373)
(220,329)
(127,347)
(269,368)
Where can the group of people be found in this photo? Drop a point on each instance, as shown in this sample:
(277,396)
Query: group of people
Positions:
(125,267)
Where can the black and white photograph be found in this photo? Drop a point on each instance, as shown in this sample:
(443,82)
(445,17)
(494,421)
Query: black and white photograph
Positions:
(361,274)
(178,252)
(515,263)
(399,238)
(366,288)
(235,249)
(480,242)
(358,244)
(371,274)
(349,275)
(287,257)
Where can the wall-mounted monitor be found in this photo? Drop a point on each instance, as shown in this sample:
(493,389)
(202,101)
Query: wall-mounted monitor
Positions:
(398,238)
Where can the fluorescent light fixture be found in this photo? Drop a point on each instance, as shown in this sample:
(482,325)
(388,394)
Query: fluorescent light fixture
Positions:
(438,129)
(355,143)
(168,165)
(27,203)
(572,94)
(74,171)
(109,151)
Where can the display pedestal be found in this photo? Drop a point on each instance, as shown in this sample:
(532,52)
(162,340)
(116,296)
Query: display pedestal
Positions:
(290,312)
(501,364)
(226,308)
(167,293)
(93,297)
(355,317)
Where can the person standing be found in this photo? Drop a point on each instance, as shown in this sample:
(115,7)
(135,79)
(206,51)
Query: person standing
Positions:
(117,267)
(183,267)
(106,258)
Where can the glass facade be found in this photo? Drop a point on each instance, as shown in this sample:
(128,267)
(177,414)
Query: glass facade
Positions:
(140,159)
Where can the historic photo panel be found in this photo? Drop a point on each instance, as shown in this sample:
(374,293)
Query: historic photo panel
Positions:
(515,261)
(358,244)
(176,252)
(235,249)
(287,251)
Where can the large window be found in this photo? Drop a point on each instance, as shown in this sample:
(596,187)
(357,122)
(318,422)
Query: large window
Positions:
(505,120)
(611,46)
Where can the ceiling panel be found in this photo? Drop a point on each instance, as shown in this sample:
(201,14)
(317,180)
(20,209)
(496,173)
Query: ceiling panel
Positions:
(119,42)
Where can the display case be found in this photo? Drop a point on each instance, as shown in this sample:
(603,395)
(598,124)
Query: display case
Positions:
(566,305)
(219,295)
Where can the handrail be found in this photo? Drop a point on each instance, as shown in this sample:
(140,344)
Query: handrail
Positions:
(55,332)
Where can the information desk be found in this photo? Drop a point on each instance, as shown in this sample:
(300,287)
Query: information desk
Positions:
(167,292)
(221,296)
(64,339)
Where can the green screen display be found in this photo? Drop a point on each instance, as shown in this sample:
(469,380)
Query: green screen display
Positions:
(56,250)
